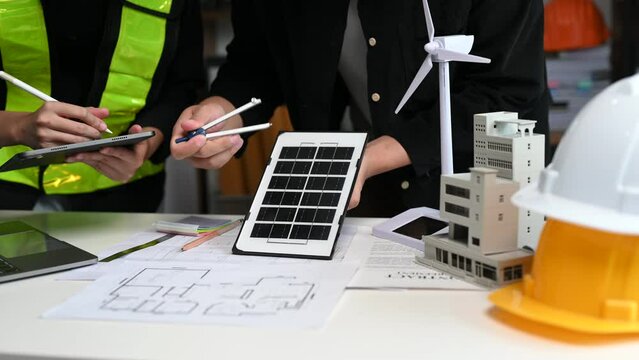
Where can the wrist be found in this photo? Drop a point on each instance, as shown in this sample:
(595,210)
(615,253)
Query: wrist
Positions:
(13,128)
(154,142)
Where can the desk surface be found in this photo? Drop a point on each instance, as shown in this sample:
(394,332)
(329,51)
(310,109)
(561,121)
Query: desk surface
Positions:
(366,324)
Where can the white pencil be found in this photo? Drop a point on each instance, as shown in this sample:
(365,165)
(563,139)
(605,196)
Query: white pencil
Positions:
(238,130)
(30,89)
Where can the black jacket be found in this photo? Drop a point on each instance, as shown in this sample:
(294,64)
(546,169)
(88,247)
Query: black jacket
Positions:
(286,52)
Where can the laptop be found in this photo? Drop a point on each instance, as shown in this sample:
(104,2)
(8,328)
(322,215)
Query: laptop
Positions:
(26,251)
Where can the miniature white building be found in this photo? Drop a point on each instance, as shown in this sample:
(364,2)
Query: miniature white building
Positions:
(482,243)
(508,144)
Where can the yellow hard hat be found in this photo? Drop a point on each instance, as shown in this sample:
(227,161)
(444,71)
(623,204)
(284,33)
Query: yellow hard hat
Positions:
(585,274)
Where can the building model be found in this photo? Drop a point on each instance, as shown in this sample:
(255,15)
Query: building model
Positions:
(485,228)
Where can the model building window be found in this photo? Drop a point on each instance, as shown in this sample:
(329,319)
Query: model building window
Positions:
(528,146)
(528,163)
(476,241)
(500,217)
(478,267)
(445,257)
(508,273)
(528,229)
(454,259)
(456,209)
(489,272)
(469,264)
(529,179)
(438,254)
(517,272)
(528,213)
(476,217)
(501,198)
(478,179)
(477,198)
(460,264)
(457,191)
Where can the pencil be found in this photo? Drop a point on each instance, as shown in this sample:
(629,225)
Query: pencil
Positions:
(208,236)
(30,89)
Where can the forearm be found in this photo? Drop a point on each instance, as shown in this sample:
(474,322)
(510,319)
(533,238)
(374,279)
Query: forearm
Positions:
(384,154)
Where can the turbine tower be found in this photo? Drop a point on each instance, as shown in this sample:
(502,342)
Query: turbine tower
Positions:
(442,50)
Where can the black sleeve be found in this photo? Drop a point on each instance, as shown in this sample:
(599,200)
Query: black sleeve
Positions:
(510,33)
(248,71)
(184,77)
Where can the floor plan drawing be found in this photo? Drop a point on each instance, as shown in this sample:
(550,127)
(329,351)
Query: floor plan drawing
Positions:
(146,292)
(288,295)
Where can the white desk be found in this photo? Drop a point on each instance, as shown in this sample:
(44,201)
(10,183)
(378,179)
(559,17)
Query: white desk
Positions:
(366,324)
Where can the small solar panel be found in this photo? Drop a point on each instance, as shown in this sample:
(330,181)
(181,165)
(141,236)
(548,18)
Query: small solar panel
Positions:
(300,204)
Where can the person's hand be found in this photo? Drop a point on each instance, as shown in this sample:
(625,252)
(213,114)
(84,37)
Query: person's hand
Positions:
(120,163)
(56,123)
(381,155)
(200,152)
(362,176)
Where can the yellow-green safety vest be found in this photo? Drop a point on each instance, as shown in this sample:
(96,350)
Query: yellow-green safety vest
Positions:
(25,55)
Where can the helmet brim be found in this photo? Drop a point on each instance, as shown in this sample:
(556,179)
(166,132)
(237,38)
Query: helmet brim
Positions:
(575,212)
(513,300)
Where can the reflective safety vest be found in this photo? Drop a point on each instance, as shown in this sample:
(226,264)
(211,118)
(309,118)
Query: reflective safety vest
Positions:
(128,73)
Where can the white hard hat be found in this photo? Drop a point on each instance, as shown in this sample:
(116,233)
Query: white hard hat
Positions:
(593,180)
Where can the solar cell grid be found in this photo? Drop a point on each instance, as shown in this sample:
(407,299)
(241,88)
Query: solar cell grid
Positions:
(301,192)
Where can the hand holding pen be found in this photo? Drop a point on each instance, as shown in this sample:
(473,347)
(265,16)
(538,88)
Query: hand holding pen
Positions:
(54,123)
(206,134)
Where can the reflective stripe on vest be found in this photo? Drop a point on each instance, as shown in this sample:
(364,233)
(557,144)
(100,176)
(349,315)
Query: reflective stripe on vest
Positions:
(135,59)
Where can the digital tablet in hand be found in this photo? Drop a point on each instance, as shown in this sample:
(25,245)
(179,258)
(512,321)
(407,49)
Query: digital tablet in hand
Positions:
(57,154)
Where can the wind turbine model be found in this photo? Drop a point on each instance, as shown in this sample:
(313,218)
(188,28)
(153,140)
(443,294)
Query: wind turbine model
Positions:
(442,49)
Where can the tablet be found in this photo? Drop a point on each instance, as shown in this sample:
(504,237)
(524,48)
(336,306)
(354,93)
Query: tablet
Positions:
(26,251)
(408,227)
(57,154)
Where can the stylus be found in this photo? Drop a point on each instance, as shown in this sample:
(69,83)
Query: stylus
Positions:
(30,89)
(202,130)
(241,130)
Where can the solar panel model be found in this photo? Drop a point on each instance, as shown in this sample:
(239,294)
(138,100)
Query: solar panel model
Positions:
(300,204)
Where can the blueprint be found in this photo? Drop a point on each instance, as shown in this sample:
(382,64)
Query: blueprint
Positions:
(292,295)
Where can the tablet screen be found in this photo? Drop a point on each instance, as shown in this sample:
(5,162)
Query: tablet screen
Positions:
(421,226)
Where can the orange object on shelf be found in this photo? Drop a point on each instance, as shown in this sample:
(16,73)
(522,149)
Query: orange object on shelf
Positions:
(573,24)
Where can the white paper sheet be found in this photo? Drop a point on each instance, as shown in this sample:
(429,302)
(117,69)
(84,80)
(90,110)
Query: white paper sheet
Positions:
(386,264)
(216,250)
(294,295)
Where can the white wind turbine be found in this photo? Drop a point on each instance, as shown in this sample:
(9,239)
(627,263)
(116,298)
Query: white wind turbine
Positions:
(442,49)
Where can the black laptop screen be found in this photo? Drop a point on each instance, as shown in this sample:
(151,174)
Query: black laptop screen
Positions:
(22,243)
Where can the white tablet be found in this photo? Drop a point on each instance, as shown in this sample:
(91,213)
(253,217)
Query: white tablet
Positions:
(408,227)
(57,154)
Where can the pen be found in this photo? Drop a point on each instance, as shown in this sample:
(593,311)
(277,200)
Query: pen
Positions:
(202,130)
(30,89)
(204,238)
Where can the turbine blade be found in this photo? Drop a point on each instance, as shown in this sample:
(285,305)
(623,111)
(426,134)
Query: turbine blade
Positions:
(449,55)
(429,21)
(419,77)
